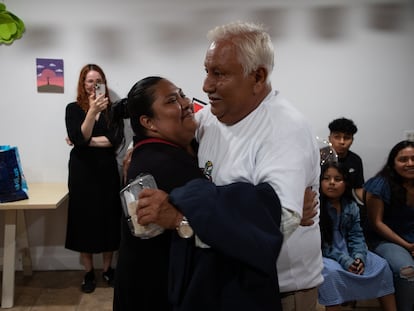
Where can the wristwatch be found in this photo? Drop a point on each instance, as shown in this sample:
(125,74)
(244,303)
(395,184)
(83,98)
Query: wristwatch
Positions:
(184,229)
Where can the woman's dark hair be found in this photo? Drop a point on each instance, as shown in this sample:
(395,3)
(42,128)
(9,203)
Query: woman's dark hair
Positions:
(326,224)
(139,103)
(398,192)
(117,113)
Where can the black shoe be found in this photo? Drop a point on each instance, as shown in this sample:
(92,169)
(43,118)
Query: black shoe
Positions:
(109,276)
(89,283)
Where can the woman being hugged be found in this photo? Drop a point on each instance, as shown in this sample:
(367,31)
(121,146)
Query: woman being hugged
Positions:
(163,122)
(94,183)
(350,271)
(390,208)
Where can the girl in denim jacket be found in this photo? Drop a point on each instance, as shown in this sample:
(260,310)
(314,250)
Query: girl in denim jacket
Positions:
(351,272)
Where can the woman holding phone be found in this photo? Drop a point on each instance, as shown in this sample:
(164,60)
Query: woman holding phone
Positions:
(94,183)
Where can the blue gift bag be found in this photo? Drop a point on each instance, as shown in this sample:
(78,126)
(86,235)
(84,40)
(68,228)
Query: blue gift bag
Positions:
(13,185)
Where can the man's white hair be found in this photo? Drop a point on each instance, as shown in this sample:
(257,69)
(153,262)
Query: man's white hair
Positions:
(253,44)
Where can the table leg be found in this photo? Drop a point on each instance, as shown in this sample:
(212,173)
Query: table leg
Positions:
(23,242)
(9,258)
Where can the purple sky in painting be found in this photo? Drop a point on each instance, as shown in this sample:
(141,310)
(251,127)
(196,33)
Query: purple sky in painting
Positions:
(47,65)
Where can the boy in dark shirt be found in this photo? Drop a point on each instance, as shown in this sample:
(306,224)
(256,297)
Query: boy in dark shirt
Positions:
(341,137)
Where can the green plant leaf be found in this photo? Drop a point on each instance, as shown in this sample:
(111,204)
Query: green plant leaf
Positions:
(11,27)
(7,31)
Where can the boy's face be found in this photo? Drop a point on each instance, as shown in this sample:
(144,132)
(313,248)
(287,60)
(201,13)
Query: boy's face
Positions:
(341,142)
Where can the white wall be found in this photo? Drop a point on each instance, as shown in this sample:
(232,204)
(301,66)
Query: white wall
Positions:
(333,58)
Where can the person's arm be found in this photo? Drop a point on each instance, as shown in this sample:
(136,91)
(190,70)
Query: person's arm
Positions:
(358,190)
(358,194)
(127,161)
(289,161)
(239,220)
(342,258)
(355,237)
(99,141)
(95,107)
(375,209)
(74,117)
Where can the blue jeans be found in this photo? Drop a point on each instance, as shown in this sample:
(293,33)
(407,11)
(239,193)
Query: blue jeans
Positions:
(398,257)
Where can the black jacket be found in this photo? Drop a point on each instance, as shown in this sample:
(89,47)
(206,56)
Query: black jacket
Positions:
(241,224)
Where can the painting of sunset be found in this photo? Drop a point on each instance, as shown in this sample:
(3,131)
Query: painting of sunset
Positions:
(50,78)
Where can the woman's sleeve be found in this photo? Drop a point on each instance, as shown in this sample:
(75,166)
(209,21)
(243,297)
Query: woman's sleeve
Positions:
(379,187)
(333,253)
(355,238)
(74,118)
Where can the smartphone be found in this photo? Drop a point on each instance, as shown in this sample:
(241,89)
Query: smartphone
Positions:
(99,89)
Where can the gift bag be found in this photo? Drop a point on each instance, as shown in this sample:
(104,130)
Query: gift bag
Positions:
(13,185)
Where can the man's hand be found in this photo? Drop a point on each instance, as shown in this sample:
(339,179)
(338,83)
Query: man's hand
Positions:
(154,207)
(310,203)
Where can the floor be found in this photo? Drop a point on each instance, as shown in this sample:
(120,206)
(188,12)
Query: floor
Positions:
(60,291)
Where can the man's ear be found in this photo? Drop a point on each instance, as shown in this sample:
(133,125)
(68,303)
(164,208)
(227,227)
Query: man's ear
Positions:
(260,79)
(261,74)
(146,122)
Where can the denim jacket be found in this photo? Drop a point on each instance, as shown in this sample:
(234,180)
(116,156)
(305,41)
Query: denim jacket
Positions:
(351,230)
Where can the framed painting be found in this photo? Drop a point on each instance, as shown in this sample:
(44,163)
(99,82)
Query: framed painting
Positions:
(50,75)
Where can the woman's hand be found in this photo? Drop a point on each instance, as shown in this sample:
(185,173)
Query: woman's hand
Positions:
(95,107)
(357,266)
(410,248)
(98,104)
(68,141)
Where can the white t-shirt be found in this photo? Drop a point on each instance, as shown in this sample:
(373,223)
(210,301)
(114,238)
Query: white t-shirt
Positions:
(273,144)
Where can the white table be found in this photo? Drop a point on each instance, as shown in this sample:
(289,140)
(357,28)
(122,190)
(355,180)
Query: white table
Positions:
(41,196)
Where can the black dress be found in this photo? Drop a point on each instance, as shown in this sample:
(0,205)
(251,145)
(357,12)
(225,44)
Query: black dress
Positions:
(94,204)
(141,279)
